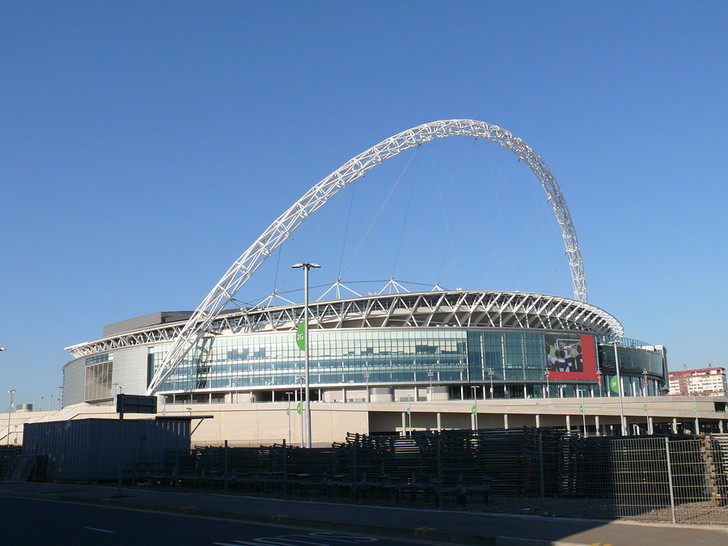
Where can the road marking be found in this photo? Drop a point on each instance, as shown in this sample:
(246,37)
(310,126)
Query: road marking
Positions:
(100,530)
(422,531)
(300,540)
(350,539)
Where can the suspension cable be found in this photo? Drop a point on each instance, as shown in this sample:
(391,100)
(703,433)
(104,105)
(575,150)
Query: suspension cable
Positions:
(379,212)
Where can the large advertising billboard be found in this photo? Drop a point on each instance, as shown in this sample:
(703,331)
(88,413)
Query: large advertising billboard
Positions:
(571,356)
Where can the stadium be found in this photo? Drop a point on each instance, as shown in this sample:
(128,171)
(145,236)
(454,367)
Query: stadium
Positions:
(389,361)
(404,347)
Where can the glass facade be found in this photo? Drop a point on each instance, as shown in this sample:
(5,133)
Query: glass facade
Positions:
(338,356)
(514,360)
(631,360)
(98,374)
(507,356)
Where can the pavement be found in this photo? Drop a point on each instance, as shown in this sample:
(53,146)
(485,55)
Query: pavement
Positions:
(429,526)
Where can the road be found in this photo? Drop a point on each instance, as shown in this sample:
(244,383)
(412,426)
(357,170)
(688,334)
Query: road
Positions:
(65,523)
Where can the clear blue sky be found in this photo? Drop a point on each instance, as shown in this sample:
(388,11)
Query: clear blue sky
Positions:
(145,145)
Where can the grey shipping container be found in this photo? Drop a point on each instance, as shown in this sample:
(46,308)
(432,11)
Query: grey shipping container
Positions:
(95,449)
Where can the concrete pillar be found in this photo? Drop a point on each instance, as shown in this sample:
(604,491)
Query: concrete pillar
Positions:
(538,421)
(404,423)
(650,429)
(596,424)
(674,425)
(568,423)
(505,421)
(439,421)
(720,426)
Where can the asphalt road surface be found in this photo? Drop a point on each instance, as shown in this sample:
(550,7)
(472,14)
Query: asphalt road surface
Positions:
(53,523)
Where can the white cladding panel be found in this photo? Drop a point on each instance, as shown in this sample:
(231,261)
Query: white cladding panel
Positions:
(130,369)
(74,374)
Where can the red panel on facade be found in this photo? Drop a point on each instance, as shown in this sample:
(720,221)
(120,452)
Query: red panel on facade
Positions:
(572,359)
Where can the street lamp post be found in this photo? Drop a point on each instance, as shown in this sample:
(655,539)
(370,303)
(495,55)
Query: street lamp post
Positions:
(582,409)
(619,389)
(548,385)
(695,411)
(430,374)
(288,412)
(118,389)
(474,388)
(235,395)
(306,266)
(11,392)
(366,378)
(491,373)
(302,380)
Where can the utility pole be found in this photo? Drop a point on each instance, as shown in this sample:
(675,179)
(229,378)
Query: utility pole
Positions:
(619,391)
(11,392)
(306,266)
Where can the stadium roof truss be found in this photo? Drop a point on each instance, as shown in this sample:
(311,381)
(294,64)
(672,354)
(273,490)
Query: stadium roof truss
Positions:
(456,309)
(200,322)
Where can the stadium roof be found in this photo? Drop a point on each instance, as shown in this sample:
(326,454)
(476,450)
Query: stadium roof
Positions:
(452,309)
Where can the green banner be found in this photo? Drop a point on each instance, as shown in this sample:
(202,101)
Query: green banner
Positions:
(581,408)
(474,409)
(614,384)
(299,408)
(301,335)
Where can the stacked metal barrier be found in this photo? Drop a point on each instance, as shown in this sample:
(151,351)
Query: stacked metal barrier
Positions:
(679,479)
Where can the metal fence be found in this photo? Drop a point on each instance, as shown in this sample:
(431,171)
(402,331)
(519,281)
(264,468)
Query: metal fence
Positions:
(679,479)
(656,479)
(688,484)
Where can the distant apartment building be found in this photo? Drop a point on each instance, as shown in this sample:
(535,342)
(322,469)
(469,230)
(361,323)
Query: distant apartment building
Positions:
(705,382)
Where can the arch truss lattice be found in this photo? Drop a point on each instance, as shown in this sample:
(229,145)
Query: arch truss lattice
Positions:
(243,268)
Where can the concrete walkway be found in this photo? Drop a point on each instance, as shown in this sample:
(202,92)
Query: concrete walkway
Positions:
(435,526)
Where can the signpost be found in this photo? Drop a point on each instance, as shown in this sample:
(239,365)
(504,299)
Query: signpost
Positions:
(130,403)
(135,403)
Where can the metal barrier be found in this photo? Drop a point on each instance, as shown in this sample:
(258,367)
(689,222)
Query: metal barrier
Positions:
(678,479)
(672,480)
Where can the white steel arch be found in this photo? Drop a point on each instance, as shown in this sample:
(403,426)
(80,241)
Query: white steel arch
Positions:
(281,228)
